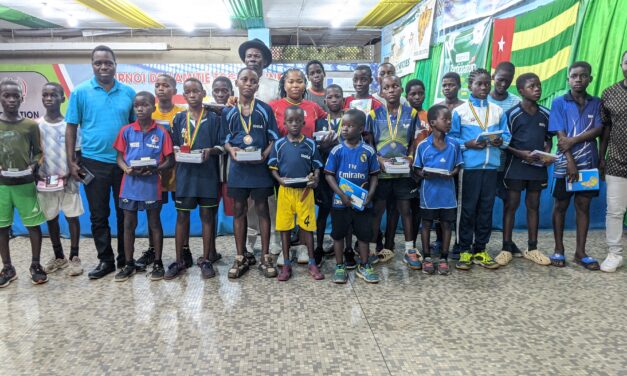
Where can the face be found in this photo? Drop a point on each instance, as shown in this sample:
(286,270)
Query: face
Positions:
(480,87)
(350,129)
(294,122)
(247,83)
(532,90)
(294,85)
(416,96)
(11,98)
(193,93)
(361,82)
(51,97)
(502,81)
(450,88)
(391,89)
(623,66)
(443,122)
(316,75)
(253,59)
(578,79)
(385,69)
(103,66)
(164,89)
(143,107)
(334,100)
(220,92)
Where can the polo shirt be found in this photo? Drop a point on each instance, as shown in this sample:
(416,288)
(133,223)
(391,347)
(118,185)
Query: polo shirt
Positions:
(313,112)
(614,116)
(101,115)
(354,164)
(198,179)
(295,159)
(438,193)
(506,104)
(529,133)
(136,144)
(263,131)
(568,117)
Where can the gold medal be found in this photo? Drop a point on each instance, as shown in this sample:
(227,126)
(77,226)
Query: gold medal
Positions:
(248,139)
(394,132)
(393,145)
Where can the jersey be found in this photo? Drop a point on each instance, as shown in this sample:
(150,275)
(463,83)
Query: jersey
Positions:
(295,159)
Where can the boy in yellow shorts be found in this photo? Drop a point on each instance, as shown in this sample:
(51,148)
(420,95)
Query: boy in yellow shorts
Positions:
(295,163)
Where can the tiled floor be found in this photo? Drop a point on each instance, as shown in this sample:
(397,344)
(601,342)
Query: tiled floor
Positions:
(520,320)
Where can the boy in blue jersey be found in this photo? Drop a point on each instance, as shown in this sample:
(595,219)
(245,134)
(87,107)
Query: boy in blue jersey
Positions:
(141,186)
(249,125)
(528,123)
(196,130)
(438,196)
(392,127)
(296,156)
(357,162)
(576,117)
(481,161)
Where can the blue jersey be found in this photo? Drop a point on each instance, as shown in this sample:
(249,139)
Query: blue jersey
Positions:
(263,131)
(354,164)
(506,104)
(438,193)
(295,159)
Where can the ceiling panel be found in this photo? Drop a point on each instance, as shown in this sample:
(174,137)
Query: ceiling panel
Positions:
(315,13)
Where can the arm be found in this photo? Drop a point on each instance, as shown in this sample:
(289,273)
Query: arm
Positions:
(571,166)
(70,146)
(36,150)
(566,143)
(231,150)
(372,187)
(503,141)
(123,166)
(521,154)
(346,201)
(275,175)
(167,163)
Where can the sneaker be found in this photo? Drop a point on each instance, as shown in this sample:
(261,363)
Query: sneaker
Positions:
(157,272)
(188,259)
(465,261)
(303,255)
(456,252)
(503,258)
(319,257)
(250,258)
(147,258)
(315,272)
(516,252)
(174,270)
(285,274)
(427,266)
(349,259)
(443,267)
(412,259)
(55,264)
(537,257)
(102,270)
(38,275)
(126,272)
(280,261)
(7,276)
(367,273)
(75,268)
(275,248)
(206,269)
(611,263)
(483,258)
(340,276)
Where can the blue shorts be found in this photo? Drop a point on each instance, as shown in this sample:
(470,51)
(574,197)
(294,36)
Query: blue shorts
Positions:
(134,205)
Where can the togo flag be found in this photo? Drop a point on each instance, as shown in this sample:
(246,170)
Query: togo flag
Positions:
(539,41)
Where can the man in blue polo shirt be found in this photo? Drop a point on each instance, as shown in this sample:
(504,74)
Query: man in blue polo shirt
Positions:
(101,107)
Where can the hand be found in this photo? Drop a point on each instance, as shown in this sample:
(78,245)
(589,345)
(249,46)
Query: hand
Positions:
(473,144)
(602,169)
(231,102)
(368,199)
(565,143)
(346,201)
(233,152)
(328,141)
(382,163)
(206,153)
(408,159)
(497,142)
(526,156)
(313,180)
(282,182)
(264,158)
(571,171)
(75,171)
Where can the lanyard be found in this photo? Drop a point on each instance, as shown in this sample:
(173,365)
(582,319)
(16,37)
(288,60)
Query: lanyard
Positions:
(398,120)
(248,126)
(484,125)
(198,123)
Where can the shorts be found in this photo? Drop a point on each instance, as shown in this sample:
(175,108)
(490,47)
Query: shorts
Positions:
(52,203)
(289,204)
(323,194)
(396,188)
(190,203)
(245,193)
(343,218)
(134,205)
(164,197)
(22,197)
(442,215)
(560,193)
(519,185)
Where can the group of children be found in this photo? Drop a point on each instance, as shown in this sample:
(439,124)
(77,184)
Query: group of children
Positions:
(431,167)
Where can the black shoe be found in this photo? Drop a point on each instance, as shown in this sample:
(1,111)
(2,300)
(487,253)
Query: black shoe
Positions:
(212,260)
(206,269)
(157,272)
(328,252)
(121,264)
(174,270)
(319,257)
(250,258)
(147,258)
(454,253)
(188,260)
(349,259)
(101,270)
(37,274)
(7,275)
(125,273)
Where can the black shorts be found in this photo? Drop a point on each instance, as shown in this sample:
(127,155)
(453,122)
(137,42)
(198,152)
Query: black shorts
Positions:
(245,193)
(397,188)
(519,185)
(343,219)
(134,205)
(190,203)
(442,215)
(323,194)
(560,193)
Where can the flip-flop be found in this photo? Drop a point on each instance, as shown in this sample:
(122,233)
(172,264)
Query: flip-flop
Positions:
(588,262)
(558,260)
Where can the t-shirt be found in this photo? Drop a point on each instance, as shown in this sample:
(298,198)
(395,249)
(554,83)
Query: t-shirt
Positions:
(354,164)
(101,115)
(313,112)
(156,144)
(396,143)
(263,131)
(614,115)
(374,105)
(506,104)
(529,132)
(54,153)
(423,129)
(198,179)
(20,147)
(317,97)
(567,117)
(168,182)
(438,193)
(295,159)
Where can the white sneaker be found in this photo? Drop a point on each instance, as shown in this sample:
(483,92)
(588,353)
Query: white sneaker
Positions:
(280,260)
(55,264)
(75,267)
(275,248)
(611,263)
(303,255)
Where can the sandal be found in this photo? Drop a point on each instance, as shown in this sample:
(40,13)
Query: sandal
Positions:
(558,260)
(385,255)
(250,258)
(537,257)
(266,267)
(239,267)
(211,260)
(503,258)
(588,262)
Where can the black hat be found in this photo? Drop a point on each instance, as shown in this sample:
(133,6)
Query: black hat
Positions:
(258,44)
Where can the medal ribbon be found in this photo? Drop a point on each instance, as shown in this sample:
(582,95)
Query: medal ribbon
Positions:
(483,125)
(248,126)
(339,125)
(398,120)
(191,141)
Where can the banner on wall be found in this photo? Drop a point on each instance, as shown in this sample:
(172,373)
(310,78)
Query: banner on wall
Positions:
(455,12)
(462,52)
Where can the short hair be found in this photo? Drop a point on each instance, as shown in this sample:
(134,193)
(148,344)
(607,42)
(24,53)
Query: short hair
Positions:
(9,82)
(474,74)
(581,64)
(195,80)
(104,48)
(297,109)
(240,72)
(147,94)
(365,68)
(356,116)
(314,62)
(228,82)
(168,78)
(523,78)
(506,67)
(57,86)
(434,112)
(336,87)
(282,92)
(412,83)
(623,55)
(386,63)
(391,77)
(453,76)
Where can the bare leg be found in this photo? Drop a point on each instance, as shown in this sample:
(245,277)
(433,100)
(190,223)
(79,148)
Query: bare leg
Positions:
(240,225)
(511,205)
(156,231)
(424,237)
(532,201)
(130,224)
(208,219)
(263,213)
(34,233)
(582,211)
(559,214)
(75,235)
(4,245)
(181,236)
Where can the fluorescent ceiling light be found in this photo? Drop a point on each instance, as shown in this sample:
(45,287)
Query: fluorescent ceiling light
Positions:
(72,21)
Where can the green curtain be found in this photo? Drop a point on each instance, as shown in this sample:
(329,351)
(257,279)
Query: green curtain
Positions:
(427,71)
(247,14)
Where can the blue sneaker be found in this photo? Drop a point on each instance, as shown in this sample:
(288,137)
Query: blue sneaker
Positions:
(340,276)
(412,259)
(367,273)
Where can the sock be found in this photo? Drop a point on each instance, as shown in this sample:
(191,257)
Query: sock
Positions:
(58,251)
(35,260)
(287,262)
(409,245)
(73,252)
(312,261)
(186,247)
(158,262)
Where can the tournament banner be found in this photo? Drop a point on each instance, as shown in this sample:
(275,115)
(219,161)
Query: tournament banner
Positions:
(462,52)
(455,12)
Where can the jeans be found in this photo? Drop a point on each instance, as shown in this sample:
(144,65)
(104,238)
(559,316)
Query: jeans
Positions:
(107,179)
(616,206)
(478,192)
